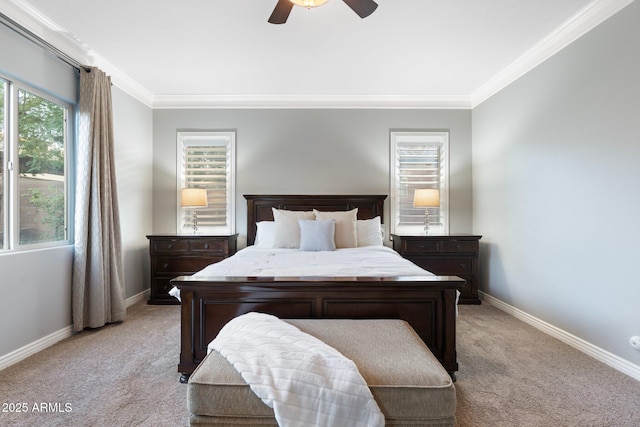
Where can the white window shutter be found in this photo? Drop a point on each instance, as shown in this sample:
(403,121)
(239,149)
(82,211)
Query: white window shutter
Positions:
(206,160)
(419,160)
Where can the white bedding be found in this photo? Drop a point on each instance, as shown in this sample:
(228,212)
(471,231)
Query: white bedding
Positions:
(363,261)
(304,380)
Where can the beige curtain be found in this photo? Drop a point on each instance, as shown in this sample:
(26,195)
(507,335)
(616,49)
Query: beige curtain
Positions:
(98,278)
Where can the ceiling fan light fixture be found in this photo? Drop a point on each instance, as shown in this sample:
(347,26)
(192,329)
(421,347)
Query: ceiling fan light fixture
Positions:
(280,14)
(309,3)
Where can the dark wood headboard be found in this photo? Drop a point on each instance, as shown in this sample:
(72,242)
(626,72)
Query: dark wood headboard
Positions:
(259,207)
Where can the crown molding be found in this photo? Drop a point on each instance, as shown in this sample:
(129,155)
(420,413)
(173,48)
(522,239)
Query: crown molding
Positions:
(589,17)
(585,20)
(30,18)
(313,101)
(123,82)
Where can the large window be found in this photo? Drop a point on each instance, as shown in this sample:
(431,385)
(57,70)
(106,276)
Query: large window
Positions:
(419,160)
(206,159)
(33,149)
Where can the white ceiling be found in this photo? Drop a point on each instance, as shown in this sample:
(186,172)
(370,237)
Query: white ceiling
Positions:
(408,53)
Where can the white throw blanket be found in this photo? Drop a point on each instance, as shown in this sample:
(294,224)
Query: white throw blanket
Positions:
(305,381)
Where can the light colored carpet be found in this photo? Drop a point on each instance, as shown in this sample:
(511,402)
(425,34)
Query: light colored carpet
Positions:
(121,375)
(125,375)
(511,374)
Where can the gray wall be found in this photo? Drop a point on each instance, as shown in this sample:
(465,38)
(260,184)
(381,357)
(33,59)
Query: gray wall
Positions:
(555,187)
(133,129)
(36,289)
(310,151)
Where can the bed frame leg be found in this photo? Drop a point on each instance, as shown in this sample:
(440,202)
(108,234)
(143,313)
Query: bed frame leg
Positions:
(453,376)
(184,378)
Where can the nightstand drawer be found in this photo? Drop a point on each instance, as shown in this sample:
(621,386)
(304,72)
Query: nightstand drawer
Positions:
(420,246)
(182,264)
(446,266)
(459,246)
(169,246)
(209,246)
(163,286)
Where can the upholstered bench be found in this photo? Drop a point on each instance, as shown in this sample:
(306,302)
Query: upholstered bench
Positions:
(406,380)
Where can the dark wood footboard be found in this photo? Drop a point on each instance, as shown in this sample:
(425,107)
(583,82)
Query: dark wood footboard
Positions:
(427,303)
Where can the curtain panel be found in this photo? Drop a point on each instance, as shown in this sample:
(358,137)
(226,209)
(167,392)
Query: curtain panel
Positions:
(98,295)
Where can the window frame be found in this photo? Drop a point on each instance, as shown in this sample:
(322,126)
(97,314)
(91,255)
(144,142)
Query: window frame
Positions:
(218,138)
(438,138)
(10,163)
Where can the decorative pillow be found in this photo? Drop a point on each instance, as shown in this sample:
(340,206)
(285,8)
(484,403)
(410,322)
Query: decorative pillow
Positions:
(346,236)
(287,229)
(369,232)
(265,234)
(317,235)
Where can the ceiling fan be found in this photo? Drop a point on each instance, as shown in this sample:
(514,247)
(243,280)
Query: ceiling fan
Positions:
(281,12)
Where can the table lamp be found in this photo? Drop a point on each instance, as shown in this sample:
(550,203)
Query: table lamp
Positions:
(194,198)
(426,198)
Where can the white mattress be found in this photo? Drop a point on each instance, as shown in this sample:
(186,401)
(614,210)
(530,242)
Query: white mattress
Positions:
(363,261)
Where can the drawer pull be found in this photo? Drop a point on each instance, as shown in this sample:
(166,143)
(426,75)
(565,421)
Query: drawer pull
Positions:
(165,265)
(463,265)
(458,246)
(206,246)
(170,245)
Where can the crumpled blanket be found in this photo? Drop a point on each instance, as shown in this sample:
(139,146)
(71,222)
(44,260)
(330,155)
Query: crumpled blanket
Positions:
(305,381)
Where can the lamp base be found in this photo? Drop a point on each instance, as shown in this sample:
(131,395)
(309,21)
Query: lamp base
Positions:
(195,222)
(426,222)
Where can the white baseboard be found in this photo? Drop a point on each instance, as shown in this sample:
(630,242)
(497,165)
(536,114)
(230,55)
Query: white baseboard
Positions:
(594,351)
(34,347)
(142,296)
(51,339)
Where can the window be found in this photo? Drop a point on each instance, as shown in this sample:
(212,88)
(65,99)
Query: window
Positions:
(206,159)
(419,159)
(33,170)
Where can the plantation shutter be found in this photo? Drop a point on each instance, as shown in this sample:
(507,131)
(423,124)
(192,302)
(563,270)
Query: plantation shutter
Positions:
(418,166)
(207,162)
(419,162)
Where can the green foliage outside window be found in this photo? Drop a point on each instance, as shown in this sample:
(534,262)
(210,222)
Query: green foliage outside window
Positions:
(41,135)
(33,153)
(50,205)
(41,151)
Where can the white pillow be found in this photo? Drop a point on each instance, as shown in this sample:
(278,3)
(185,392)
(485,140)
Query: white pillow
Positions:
(287,229)
(265,234)
(346,236)
(369,232)
(317,235)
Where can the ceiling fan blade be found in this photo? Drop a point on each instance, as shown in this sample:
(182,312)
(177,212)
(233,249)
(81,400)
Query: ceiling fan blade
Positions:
(363,8)
(281,12)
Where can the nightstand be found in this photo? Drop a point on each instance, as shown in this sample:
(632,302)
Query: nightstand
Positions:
(445,255)
(175,255)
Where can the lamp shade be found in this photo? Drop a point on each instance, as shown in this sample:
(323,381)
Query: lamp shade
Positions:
(426,198)
(193,198)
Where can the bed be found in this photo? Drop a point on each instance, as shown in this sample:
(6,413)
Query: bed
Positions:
(426,302)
